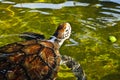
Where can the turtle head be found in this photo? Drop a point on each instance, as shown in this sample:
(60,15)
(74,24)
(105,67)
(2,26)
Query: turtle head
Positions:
(62,33)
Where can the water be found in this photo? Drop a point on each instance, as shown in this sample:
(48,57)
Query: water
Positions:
(92,23)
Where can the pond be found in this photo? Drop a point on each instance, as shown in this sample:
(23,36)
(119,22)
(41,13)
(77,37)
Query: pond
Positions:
(95,39)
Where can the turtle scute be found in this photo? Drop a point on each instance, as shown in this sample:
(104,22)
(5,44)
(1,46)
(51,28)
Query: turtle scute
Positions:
(29,60)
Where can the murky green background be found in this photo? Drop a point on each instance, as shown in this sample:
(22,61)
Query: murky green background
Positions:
(92,21)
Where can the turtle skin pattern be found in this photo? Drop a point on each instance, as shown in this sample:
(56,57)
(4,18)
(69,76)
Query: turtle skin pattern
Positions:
(29,60)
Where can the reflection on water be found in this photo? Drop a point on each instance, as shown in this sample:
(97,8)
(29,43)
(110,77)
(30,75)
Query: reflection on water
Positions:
(115,1)
(93,21)
(50,5)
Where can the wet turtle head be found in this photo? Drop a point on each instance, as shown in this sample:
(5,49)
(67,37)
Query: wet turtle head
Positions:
(62,33)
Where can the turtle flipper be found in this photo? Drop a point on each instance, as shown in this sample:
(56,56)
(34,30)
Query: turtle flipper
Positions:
(31,35)
(74,66)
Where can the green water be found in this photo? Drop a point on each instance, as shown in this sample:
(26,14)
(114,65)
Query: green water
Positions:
(93,22)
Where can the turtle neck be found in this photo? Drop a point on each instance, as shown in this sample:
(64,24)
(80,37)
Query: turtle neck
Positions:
(53,39)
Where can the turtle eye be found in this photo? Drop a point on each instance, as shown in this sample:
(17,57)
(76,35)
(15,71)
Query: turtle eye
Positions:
(66,33)
(66,30)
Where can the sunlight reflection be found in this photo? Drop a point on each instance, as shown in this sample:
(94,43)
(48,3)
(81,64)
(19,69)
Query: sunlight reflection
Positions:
(51,5)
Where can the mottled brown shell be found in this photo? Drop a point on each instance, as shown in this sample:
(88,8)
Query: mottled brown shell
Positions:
(29,60)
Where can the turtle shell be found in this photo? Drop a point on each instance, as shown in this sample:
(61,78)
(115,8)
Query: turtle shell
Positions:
(29,60)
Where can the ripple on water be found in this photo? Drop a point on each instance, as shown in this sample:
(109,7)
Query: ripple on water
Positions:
(92,24)
(51,5)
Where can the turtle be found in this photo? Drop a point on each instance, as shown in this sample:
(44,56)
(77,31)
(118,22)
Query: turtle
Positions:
(33,59)
(31,37)
(65,59)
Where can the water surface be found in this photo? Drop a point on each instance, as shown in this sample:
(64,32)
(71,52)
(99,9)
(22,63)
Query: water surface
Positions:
(93,22)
